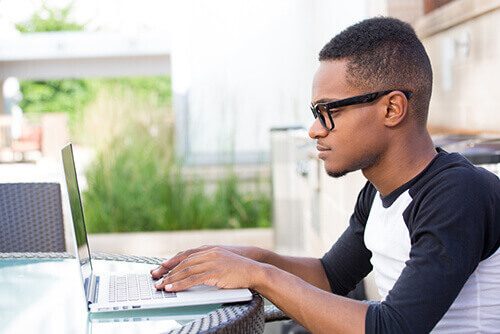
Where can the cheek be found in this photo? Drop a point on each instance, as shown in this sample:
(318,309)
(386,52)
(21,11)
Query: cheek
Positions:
(361,136)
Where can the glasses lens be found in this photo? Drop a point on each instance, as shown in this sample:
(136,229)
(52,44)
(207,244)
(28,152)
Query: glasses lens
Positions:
(325,117)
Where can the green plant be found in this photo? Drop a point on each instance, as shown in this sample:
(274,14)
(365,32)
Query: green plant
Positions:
(42,96)
(123,184)
(132,187)
(135,183)
(50,19)
(68,96)
(156,90)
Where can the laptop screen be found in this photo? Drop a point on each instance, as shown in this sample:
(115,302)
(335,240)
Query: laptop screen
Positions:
(75,202)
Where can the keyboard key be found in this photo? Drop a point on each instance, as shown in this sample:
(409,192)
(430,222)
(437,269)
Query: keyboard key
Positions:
(158,295)
(134,287)
(121,298)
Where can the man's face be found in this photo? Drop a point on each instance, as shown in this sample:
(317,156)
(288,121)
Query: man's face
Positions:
(357,140)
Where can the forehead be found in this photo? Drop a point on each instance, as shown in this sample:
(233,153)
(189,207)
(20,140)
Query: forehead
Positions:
(330,81)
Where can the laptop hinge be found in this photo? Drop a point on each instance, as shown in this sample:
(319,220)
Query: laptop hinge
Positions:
(92,289)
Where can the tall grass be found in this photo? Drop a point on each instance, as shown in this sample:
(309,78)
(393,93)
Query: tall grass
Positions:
(136,184)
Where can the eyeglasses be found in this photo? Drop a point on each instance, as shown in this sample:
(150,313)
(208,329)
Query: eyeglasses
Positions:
(323,111)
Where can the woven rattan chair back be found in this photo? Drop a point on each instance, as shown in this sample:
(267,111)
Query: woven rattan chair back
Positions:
(31,218)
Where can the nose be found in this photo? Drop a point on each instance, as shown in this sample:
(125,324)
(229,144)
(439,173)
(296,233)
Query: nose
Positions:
(317,130)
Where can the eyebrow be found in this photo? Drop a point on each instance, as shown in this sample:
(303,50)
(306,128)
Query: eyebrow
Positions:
(324,101)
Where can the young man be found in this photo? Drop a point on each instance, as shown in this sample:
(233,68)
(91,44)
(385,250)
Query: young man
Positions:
(427,222)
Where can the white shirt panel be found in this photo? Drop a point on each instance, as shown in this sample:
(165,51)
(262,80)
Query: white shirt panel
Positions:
(475,310)
(388,238)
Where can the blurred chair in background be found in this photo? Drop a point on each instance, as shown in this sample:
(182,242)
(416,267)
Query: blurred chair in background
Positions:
(31,218)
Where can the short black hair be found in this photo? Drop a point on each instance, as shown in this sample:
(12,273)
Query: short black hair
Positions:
(385,53)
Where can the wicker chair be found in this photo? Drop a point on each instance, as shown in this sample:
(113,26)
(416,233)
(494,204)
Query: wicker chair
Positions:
(31,218)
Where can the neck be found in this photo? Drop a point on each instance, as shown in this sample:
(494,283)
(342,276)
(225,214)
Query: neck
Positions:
(401,163)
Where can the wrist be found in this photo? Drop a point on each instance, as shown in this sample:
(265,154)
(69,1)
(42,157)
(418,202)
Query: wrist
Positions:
(262,274)
(253,253)
(260,254)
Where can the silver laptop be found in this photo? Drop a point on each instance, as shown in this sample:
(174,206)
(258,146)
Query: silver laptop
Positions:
(111,292)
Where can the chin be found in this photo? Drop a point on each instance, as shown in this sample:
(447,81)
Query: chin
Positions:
(336,174)
(336,171)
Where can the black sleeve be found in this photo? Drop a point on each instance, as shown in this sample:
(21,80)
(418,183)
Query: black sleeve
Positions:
(454,227)
(348,261)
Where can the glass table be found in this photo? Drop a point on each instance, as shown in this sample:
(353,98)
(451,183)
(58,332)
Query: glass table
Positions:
(42,293)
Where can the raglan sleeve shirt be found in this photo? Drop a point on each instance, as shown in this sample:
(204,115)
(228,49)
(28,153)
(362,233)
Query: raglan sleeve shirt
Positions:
(348,261)
(452,227)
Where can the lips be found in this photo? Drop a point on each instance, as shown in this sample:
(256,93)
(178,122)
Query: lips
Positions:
(322,151)
(322,148)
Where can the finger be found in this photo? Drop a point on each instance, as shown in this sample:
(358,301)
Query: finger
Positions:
(186,272)
(158,272)
(164,268)
(171,263)
(167,265)
(187,282)
(193,260)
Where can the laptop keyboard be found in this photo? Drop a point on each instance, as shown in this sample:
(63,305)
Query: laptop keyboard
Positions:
(135,287)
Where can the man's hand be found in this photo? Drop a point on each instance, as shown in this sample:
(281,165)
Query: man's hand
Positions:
(214,266)
(253,253)
(223,267)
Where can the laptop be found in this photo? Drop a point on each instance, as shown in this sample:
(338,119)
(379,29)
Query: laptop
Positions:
(111,292)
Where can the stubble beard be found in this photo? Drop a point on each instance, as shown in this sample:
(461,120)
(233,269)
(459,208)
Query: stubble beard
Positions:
(338,174)
(362,164)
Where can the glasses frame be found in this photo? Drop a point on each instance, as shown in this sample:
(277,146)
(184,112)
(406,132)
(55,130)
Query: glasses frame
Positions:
(326,107)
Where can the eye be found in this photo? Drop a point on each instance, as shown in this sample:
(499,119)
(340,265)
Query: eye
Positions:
(322,108)
(335,111)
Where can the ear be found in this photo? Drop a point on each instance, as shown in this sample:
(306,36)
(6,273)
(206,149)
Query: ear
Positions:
(396,109)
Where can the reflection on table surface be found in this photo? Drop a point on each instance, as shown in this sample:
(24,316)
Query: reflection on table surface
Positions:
(46,296)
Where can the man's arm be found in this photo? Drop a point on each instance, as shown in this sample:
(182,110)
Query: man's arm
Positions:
(309,269)
(452,228)
(338,271)
(317,310)
(344,265)
(299,286)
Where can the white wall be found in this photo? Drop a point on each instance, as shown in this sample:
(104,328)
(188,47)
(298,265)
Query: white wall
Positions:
(463,43)
(240,68)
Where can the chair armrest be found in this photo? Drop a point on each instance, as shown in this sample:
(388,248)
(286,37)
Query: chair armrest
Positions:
(272,313)
(37,255)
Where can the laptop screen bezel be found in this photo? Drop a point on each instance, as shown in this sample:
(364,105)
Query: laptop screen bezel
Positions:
(69,166)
